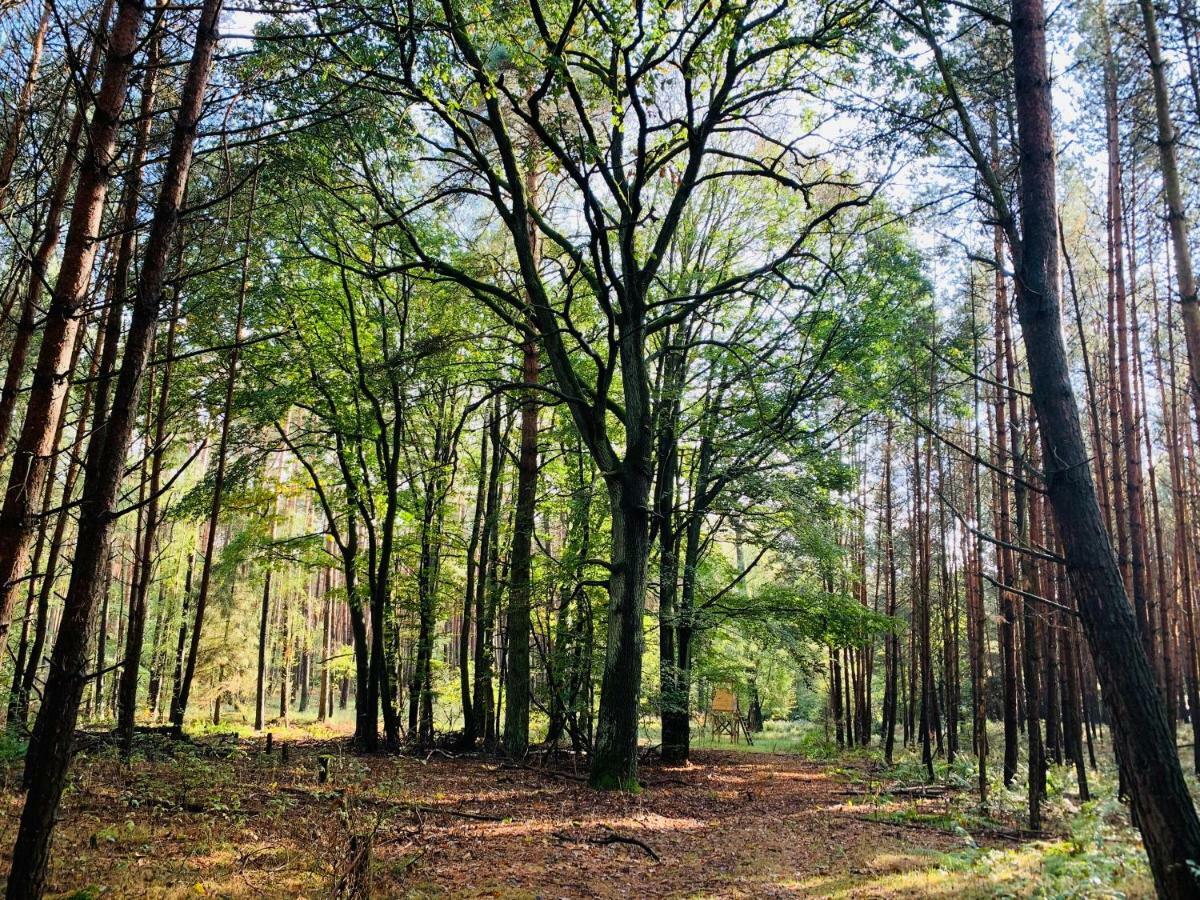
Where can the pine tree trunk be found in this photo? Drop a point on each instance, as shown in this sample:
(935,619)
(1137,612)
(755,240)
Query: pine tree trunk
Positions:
(1165,812)
(1002,516)
(1130,439)
(127,705)
(50,746)
(27,474)
(20,114)
(285,656)
(1168,141)
(37,606)
(181,640)
(39,264)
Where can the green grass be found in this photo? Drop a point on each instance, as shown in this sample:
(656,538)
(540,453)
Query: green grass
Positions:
(801,738)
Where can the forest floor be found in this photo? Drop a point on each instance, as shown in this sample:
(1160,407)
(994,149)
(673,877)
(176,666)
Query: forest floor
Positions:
(222,817)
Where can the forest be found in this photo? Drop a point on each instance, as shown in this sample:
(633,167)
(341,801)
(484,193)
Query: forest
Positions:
(599,448)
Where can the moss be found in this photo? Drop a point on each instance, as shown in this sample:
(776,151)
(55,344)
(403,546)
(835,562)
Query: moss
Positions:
(615,781)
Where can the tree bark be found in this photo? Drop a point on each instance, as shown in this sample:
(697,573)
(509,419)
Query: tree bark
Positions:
(892,648)
(475,569)
(39,264)
(674,702)
(1003,522)
(1168,155)
(482,705)
(516,709)
(12,143)
(260,686)
(50,746)
(614,766)
(30,659)
(1134,493)
(127,689)
(1165,812)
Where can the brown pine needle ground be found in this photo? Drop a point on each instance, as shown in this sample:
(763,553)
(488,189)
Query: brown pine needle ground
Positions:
(223,818)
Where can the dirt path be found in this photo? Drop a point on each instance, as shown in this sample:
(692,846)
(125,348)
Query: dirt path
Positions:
(239,822)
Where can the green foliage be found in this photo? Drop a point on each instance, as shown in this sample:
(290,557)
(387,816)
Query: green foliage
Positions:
(1101,856)
(12,747)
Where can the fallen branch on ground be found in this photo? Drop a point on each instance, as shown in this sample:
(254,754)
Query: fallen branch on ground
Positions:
(1013,835)
(610,837)
(919,790)
(481,817)
(552,773)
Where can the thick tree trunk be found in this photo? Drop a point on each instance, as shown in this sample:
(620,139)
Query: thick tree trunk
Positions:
(29,660)
(39,264)
(1165,812)
(614,766)
(50,746)
(51,376)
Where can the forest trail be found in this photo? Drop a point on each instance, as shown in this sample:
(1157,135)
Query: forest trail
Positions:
(224,818)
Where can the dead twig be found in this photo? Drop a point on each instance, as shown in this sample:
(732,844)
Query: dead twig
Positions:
(480,817)
(609,837)
(551,773)
(1013,836)
(919,790)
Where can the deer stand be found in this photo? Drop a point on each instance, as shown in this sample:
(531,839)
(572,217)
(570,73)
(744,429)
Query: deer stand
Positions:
(724,716)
